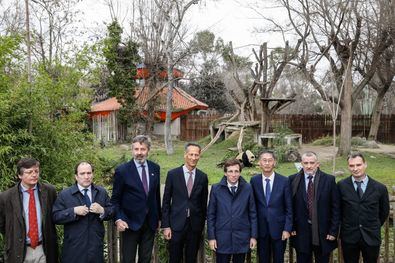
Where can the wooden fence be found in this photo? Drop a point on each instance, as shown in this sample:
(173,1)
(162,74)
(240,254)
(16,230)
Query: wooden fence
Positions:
(387,251)
(315,126)
(195,127)
(310,126)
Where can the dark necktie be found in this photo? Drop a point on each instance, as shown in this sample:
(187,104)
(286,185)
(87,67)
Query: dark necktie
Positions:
(310,195)
(268,191)
(33,225)
(233,189)
(190,183)
(359,188)
(86,198)
(144,179)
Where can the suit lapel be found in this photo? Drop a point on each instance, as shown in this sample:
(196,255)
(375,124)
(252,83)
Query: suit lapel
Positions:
(318,182)
(275,188)
(43,196)
(94,193)
(151,174)
(351,188)
(303,187)
(182,182)
(260,189)
(136,176)
(17,205)
(369,189)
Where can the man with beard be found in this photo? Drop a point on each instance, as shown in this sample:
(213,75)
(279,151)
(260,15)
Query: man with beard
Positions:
(316,211)
(136,199)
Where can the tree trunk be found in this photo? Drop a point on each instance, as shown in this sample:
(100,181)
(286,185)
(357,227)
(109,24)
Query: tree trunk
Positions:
(29,61)
(346,116)
(266,118)
(376,115)
(149,124)
(169,98)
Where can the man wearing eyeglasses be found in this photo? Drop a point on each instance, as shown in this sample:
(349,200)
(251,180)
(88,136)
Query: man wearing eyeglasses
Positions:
(26,217)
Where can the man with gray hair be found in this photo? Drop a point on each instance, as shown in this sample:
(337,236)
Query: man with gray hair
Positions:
(136,199)
(316,211)
(185,207)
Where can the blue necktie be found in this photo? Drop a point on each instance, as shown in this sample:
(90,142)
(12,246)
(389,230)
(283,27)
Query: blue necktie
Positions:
(268,191)
(359,188)
(233,190)
(86,198)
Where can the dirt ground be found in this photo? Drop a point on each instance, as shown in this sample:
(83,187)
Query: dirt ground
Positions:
(326,152)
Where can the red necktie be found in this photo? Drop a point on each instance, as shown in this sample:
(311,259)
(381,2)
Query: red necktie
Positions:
(33,226)
(310,196)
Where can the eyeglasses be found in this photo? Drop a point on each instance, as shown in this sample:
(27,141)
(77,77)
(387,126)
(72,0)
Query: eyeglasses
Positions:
(30,172)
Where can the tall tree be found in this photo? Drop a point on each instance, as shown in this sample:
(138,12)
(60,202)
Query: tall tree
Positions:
(173,12)
(121,59)
(207,82)
(261,81)
(336,34)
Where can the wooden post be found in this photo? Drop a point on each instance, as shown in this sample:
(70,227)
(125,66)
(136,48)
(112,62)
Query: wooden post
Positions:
(264,80)
(386,240)
(392,201)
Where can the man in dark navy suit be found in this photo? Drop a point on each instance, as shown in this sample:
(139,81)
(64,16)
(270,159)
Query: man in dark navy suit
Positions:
(365,207)
(184,207)
(316,211)
(136,199)
(274,206)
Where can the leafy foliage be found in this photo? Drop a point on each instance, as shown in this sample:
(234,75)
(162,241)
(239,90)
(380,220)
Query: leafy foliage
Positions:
(46,119)
(121,59)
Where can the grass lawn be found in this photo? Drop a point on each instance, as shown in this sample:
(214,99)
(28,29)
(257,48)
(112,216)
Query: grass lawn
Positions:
(380,167)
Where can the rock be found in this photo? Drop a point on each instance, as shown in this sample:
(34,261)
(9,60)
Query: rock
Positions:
(124,146)
(339,173)
(293,156)
(371,145)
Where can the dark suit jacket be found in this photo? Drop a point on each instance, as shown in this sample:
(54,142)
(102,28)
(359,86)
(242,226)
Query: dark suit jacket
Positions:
(232,219)
(130,202)
(276,217)
(12,223)
(327,211)
(83,235)
(176,201)
(363,218)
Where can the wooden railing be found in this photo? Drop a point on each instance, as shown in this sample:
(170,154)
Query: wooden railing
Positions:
(387,251)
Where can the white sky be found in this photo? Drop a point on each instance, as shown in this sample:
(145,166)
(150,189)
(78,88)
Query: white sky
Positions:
(232,20)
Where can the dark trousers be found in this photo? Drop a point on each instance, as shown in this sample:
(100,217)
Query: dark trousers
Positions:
(142,239)
(225,258)
(268,247)
(184,243)
(351,252)
(308,257)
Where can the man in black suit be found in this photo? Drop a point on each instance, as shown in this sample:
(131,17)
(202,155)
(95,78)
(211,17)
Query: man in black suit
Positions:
(365,207)
(136,200)
(184,207)
(316,211)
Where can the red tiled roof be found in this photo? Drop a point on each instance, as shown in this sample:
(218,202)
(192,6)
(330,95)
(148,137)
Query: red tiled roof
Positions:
(182,102)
